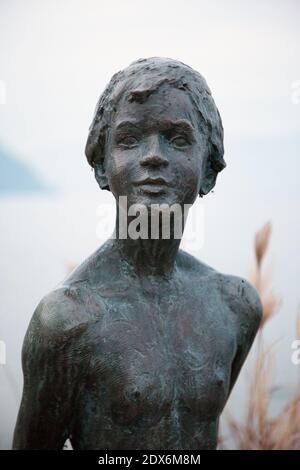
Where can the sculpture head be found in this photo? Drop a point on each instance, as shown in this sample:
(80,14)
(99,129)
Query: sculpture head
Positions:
(156,134)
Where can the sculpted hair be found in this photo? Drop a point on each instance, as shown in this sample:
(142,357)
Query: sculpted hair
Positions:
(136,83)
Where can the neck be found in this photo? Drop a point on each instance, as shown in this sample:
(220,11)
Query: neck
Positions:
(147,255)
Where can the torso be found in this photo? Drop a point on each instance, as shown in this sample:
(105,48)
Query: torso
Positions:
(160,366)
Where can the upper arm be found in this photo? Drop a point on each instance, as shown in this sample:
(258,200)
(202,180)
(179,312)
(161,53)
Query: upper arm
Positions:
(52,360)
(246,307)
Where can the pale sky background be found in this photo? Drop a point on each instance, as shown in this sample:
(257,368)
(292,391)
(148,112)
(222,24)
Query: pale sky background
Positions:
(55,59)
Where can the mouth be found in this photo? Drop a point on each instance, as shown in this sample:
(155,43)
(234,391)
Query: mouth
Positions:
(153,185)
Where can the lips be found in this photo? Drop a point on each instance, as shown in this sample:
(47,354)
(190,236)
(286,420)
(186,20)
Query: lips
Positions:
(154,186)
(153,181)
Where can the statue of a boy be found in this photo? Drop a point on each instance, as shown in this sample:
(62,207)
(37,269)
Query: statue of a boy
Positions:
(140,346)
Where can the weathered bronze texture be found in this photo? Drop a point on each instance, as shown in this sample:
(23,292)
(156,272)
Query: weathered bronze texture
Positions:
(140,346)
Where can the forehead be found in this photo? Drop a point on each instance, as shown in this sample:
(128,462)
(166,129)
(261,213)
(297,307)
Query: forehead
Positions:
(167,103)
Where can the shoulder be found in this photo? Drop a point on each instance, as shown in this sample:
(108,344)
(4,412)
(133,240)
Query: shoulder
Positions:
(240,297)
(55,350)
(61,310)
(67,311)
(58,322)
(69,306)
(193,266)
(244,310)
(56,338)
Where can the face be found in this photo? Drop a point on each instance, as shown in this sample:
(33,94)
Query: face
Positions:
(156,150)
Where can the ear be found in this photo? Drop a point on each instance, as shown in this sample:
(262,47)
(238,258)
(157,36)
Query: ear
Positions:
(95,153)
(213,164)
(100,175)
(209,177)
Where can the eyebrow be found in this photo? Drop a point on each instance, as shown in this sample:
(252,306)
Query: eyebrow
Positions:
(127,123)
(166,124)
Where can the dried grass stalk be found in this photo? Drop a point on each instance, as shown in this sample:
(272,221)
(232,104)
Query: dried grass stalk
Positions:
(259,431)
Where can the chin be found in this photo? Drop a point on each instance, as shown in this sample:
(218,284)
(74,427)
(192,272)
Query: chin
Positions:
(150,199)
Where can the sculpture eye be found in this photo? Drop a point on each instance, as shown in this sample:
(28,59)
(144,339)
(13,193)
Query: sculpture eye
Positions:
(128,141)
(179,141)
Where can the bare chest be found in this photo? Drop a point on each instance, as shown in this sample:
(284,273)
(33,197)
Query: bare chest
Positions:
(162,360)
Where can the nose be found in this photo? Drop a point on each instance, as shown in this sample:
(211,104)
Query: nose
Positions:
(154,156)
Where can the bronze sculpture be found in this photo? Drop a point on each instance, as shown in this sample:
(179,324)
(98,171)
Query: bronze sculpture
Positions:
(141,345)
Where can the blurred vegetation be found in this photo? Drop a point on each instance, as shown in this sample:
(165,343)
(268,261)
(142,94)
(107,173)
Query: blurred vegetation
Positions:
(258,429)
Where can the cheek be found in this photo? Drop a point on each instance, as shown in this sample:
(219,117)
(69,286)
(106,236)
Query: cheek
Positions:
(188,176)
(117,171)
